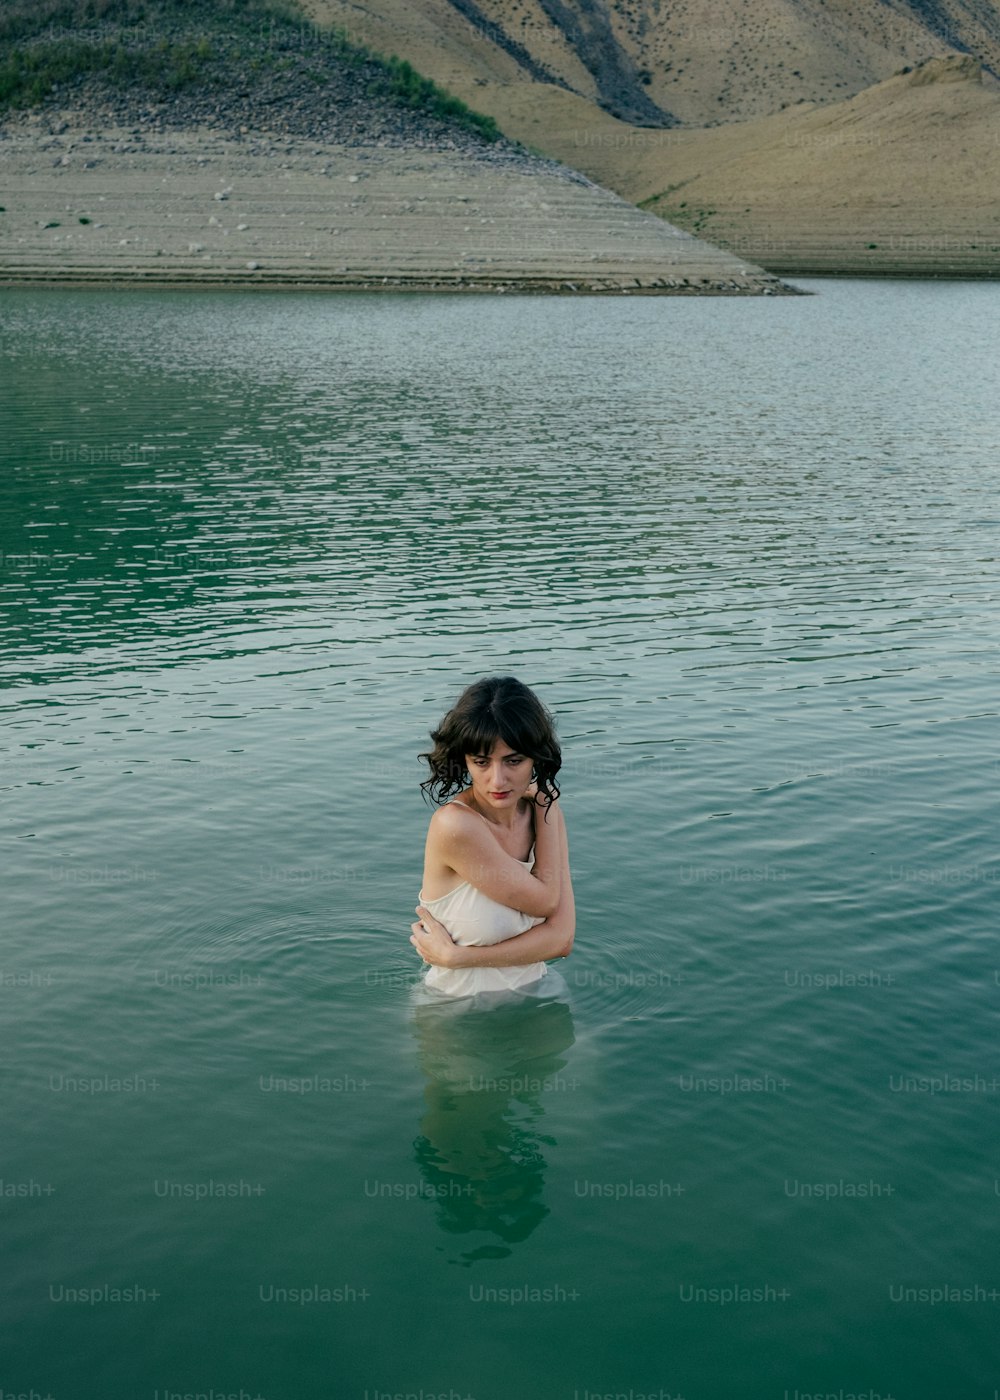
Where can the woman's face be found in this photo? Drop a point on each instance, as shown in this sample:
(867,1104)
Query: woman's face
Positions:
(500,778)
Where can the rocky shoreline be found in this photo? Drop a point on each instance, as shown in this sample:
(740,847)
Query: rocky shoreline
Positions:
(158,206)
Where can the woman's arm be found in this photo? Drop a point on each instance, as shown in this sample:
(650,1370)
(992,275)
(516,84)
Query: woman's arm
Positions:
(551,939)
(462,842)
(550,849)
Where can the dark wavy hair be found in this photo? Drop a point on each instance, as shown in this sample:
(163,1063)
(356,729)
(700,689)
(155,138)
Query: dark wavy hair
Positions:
(498,707)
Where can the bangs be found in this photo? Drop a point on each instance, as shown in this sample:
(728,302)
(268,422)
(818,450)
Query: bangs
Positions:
(478,733)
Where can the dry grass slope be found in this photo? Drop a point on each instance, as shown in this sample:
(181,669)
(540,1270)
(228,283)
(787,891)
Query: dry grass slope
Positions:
(821,156)
(702,61)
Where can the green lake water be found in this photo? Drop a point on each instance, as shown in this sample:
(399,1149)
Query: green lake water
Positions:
(747,552)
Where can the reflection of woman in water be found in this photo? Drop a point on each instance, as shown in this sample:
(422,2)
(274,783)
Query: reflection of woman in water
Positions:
(496,899)
(482,1145)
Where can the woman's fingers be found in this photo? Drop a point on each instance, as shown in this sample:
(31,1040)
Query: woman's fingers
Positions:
(431,939)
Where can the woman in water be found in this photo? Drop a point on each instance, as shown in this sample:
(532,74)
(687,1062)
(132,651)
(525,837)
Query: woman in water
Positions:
(496,899)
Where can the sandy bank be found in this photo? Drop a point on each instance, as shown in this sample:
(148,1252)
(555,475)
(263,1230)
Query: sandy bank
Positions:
(198,207)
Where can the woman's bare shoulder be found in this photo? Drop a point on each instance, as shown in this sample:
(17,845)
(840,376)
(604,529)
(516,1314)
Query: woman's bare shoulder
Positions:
(453,817)
(456,835)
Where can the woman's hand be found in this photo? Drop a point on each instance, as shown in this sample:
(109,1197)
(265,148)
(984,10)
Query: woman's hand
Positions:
(537,798)
(433,941)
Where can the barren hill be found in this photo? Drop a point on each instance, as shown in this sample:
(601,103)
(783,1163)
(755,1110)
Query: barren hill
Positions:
(691,62)
(903,177)
(892,165)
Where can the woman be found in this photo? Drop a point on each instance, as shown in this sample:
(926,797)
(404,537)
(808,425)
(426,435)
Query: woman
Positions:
(496,898)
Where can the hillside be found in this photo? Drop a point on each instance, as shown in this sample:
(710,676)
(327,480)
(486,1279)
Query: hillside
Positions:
(173,142)
(865,167)
(688,62)
(237,64)
(903,177)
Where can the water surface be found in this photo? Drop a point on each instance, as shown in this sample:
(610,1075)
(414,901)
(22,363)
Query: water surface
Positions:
(746,550)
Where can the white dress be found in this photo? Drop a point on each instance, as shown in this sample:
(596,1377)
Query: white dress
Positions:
(476,921)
